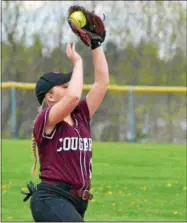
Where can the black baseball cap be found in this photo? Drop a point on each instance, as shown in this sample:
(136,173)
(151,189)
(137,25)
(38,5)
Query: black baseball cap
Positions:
(48,81)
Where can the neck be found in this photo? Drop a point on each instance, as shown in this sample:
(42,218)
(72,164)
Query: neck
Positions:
(68,117)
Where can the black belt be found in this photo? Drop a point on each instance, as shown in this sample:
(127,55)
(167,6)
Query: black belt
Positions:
(83,194)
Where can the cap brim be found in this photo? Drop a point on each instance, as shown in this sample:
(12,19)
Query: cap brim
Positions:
(64,78)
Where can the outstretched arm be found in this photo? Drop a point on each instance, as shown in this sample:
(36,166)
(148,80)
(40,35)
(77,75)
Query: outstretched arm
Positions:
(73,94)
(96,95)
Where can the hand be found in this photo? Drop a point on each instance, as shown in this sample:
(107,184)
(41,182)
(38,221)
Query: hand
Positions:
(72,53)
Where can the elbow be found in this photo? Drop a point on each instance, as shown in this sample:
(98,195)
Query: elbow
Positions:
(103,80)
(102,85)
(105,84)
(106,81)
(74,99)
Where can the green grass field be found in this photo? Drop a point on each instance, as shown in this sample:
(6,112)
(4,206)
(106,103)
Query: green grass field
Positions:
(131,182)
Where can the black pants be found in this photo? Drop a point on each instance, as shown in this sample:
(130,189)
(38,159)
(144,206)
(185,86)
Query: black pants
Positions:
(51,204)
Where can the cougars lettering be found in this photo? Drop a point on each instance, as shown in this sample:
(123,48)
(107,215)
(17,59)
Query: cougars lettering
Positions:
(75,144)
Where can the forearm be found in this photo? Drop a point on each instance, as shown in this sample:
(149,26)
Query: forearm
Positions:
(76,84)
(66,105)
(101,72)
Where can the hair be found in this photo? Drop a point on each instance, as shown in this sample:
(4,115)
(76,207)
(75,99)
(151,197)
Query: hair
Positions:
(34,144)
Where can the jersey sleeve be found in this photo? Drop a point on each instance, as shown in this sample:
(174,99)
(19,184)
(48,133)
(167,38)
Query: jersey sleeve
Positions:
(84,111)
(39,126)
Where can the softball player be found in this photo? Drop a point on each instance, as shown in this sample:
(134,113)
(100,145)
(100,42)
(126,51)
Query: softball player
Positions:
(62,136)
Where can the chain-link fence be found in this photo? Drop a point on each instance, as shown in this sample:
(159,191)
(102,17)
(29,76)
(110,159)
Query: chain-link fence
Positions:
(152,118)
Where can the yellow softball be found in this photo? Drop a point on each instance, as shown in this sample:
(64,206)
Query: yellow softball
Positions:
(78,18)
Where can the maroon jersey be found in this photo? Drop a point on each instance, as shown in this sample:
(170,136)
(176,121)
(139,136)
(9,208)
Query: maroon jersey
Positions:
(66,154)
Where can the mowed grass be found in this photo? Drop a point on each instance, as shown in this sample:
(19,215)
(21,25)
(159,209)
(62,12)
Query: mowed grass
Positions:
(131,182)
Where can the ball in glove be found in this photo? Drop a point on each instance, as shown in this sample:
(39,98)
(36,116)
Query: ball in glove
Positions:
(88,26)
(78,19)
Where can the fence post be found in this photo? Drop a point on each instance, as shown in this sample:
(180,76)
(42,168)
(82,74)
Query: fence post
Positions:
(131,114)
(13,113)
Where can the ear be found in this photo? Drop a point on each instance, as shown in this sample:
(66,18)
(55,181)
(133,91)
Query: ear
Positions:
(49,97)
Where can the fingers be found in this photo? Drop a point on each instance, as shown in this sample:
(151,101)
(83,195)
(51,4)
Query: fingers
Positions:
(73,46)
(70,48)
(71,52)
(67,48)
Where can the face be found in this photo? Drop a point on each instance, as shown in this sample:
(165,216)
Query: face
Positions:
(56,93)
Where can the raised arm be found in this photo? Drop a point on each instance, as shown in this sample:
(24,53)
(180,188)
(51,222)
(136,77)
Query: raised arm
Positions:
(73,94)
(96,95)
